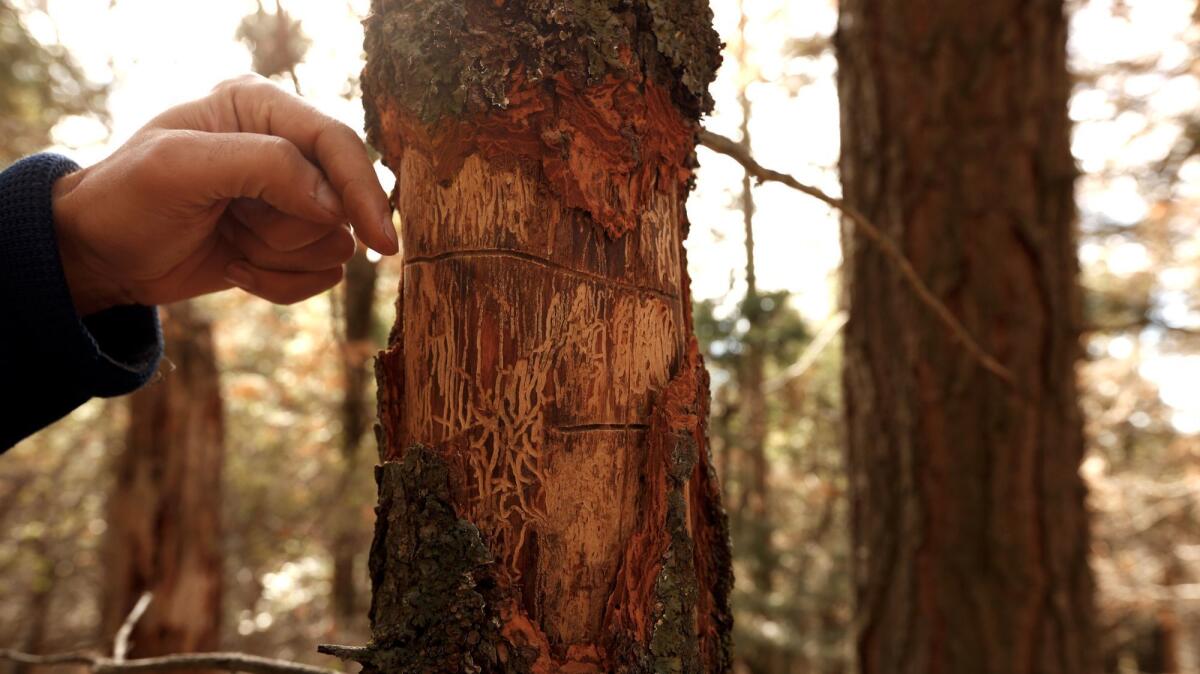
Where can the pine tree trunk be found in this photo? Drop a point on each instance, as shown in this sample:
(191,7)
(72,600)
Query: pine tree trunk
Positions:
(546,499)
(969,529)
(164,511)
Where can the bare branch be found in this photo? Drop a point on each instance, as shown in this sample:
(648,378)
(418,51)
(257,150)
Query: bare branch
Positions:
(229,662)
(121,643)
(830,330)
(729,148)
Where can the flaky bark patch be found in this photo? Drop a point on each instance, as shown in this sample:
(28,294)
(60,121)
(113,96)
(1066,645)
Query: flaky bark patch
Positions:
(603,97)
(603,149)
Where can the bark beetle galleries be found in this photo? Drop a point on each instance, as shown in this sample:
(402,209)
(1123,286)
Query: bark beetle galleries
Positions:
(543,354)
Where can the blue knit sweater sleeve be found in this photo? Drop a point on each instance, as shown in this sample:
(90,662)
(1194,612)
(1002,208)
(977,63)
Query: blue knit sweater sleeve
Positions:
(51,359)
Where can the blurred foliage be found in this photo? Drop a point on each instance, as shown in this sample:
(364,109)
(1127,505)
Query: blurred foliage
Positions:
(39,85)
(52,507)
(1140,252)
(795,617)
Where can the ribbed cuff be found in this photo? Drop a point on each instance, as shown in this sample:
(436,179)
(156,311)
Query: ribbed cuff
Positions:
(50,355)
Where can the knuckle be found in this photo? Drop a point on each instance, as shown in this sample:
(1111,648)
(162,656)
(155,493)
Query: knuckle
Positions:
(341,133)
(239,82)
(158,143)
(281,149)
(344,246)
(162,153)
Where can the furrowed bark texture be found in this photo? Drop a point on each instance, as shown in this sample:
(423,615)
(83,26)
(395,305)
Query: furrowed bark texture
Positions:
(546,499)
(969,527)
(164,511)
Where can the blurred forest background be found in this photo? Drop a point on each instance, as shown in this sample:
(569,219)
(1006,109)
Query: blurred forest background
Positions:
(280,438)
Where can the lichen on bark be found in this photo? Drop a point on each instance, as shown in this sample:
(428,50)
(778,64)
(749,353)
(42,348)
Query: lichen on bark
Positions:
(433,608)
(449,57)
(673,643)
(603,95)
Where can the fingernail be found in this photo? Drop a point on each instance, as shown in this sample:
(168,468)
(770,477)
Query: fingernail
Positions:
(237,274)
(389,230)
(328,199)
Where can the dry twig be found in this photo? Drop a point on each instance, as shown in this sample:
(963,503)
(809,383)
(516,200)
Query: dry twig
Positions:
(890,250)
(121,643)
(806,360)
(117,664)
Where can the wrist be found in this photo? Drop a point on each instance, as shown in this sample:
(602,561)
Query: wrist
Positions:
(91,291)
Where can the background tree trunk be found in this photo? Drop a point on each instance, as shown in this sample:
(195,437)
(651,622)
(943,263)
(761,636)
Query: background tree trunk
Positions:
(164,511)
(546,501)
(752,512)
(358,307)
(969,529)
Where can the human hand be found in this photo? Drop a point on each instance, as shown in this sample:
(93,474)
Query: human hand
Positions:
(249,186)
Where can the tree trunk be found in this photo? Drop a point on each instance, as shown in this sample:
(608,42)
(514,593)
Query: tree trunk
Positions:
(752,516)
(358,305)
(546,499)
(969,529)
(164,511)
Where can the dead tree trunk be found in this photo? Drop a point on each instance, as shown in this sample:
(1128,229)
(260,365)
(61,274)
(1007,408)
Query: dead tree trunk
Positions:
(164,511)
(546,499)
(969,528)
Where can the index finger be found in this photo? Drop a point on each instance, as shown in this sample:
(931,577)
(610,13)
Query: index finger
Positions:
(257,105)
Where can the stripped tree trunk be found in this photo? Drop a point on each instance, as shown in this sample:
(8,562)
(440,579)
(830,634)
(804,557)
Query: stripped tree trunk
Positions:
(164,511)
(546,500)
(969,528)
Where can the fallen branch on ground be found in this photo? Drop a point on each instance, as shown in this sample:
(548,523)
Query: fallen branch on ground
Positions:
(229,662)
(721,144)
(121,643)
(98,664)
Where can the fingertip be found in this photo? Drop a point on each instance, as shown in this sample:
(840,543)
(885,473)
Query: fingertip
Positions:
(378,233)
(389,232)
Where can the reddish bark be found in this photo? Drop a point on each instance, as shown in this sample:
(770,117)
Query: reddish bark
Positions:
(969,529)
(164,511)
